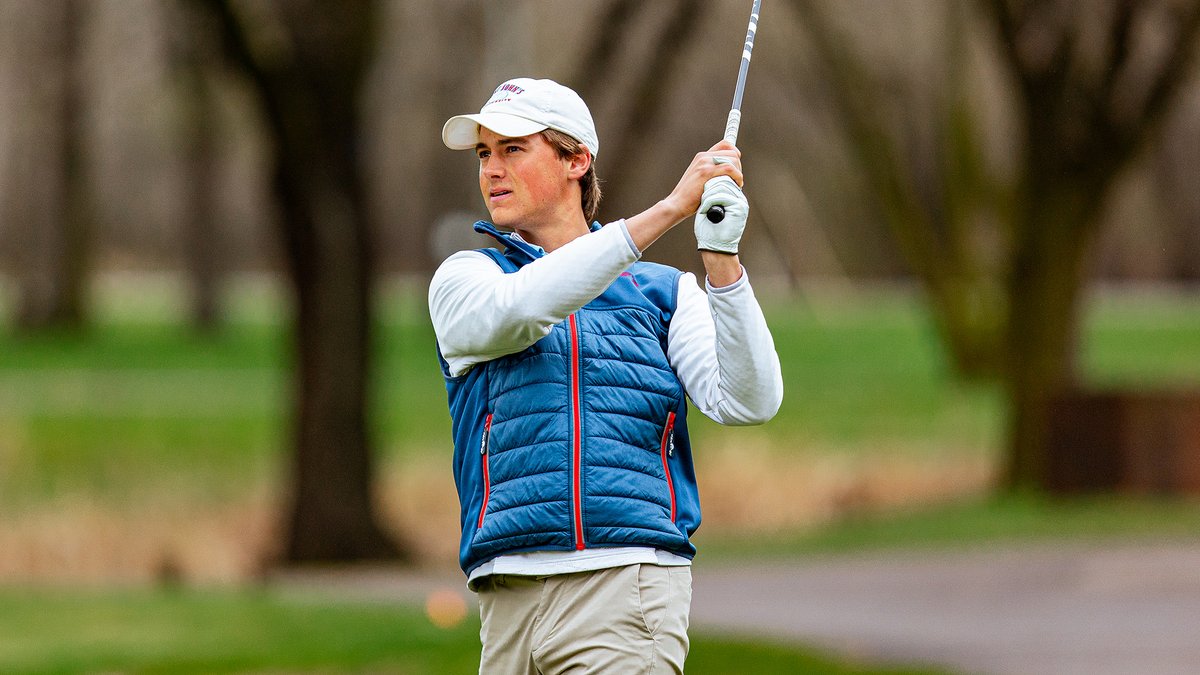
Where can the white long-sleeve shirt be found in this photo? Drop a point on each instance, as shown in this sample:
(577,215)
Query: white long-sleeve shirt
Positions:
(718,344)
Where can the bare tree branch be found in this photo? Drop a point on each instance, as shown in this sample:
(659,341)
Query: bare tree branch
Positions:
(1175,66)
(946,265)
(1008,27)
(878,155)
(647,98)
(1117,52)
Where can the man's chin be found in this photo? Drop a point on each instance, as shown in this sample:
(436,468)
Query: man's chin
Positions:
(501,220)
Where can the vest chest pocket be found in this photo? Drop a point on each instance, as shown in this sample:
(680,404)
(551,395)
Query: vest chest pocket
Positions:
(667,450)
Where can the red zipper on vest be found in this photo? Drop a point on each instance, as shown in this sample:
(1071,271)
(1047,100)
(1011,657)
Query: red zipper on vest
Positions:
(483,453)
(576,435)
(668,449)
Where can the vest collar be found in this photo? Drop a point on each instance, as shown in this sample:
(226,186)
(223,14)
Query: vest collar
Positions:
(514,246)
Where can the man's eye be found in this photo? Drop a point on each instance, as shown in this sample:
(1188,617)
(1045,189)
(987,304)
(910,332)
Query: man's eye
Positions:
(513,148)
(484,154)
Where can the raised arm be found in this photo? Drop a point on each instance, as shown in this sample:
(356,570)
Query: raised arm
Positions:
(480,313)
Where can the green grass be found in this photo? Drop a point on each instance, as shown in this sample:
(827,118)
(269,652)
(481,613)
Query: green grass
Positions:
(73,631)
(1143,340)
(77,411)
(230,631)
(870,369)
(138,390)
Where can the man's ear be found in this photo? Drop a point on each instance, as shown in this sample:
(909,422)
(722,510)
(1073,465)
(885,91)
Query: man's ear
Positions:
(578,164)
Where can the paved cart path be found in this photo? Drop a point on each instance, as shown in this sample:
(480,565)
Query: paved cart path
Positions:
(1041,609)
(1045,609)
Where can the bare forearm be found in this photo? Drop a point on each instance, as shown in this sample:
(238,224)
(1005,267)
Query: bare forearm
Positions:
(646,227)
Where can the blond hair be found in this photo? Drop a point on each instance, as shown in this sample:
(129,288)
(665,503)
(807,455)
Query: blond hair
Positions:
(589,184)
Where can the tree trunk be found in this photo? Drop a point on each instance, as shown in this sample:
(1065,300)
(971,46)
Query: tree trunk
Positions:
(1041,338)
(332,517)
(1089,99)
(310,94)
(54,261)
(191,52)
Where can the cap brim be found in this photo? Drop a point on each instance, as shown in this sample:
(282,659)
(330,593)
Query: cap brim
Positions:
(462,132)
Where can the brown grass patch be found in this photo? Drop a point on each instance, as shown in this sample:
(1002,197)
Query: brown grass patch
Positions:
(78,540)
(420,502)
(748,487)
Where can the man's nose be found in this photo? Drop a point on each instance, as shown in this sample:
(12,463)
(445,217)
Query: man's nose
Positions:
(492,166)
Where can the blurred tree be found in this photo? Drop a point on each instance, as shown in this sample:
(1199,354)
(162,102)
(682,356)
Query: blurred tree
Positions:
(643,109)
(1175,169)
(307,60)
(929,209)
(193,52)
(612,31)
(1090,84)
(50,200)
(645,93)
(442,187)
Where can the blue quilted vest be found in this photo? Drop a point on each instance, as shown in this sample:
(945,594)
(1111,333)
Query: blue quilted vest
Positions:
(579,441)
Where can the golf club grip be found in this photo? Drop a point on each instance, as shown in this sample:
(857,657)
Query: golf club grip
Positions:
(716,212)
(732,124)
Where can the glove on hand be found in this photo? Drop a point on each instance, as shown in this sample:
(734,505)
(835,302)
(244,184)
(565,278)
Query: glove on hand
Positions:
(724,236)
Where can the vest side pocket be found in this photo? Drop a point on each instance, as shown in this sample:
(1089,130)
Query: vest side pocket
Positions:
(667,450)
(483,458)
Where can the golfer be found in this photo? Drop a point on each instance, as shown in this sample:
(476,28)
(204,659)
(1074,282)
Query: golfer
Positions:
(568,364)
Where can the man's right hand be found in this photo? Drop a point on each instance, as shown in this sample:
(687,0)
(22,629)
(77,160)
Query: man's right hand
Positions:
(722,159)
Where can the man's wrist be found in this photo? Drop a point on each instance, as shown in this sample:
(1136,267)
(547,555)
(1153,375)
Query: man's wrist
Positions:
(672,212)
(723,269)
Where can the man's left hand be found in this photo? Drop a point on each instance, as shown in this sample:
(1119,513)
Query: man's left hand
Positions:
(722,237)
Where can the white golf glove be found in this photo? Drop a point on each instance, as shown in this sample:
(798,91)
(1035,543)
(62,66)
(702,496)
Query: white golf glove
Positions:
(724,236)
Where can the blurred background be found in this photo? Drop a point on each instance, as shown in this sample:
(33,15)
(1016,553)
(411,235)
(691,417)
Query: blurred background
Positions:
(975,232)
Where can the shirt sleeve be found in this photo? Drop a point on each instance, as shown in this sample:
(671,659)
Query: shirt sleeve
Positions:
(723,352)
(480,313)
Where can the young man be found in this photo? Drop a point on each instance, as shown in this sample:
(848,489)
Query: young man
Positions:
(568,364)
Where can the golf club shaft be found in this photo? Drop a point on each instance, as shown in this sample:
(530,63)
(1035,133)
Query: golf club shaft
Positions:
(716,214)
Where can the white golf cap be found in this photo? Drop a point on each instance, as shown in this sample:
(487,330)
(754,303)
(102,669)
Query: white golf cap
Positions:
(524,106)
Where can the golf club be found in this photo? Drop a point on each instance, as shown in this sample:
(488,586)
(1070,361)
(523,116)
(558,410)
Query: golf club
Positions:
(716,214)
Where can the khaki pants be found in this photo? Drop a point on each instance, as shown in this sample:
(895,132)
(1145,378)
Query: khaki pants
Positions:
(623,620)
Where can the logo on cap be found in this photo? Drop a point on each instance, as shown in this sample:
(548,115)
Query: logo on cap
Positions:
(501,93)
